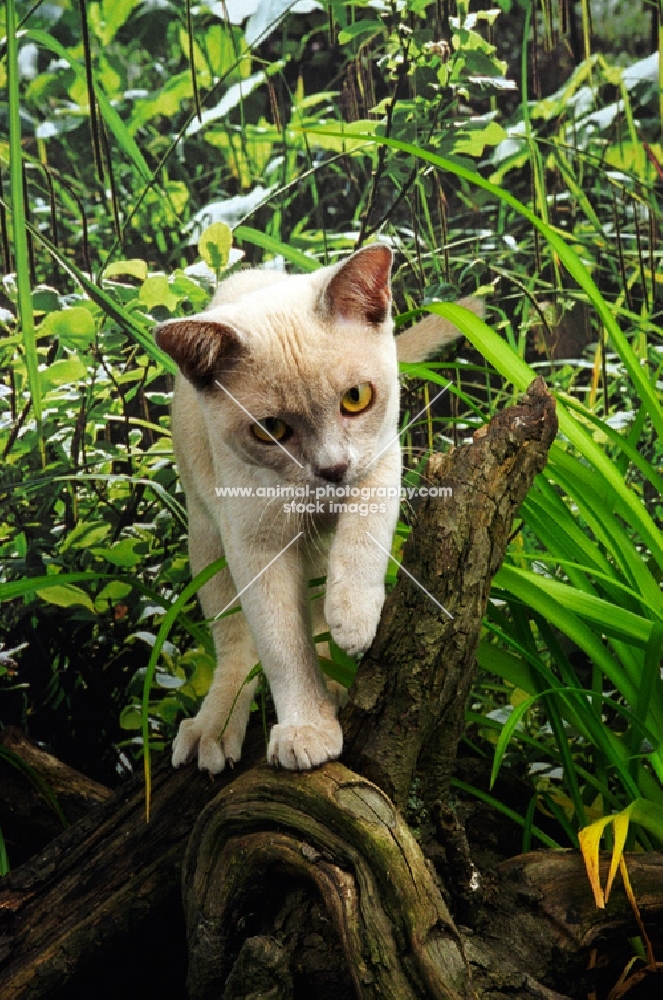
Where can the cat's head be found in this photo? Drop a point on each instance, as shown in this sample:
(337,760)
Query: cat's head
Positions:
(300,375)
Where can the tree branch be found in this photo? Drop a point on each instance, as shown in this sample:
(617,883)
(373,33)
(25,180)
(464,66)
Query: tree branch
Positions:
(407,704)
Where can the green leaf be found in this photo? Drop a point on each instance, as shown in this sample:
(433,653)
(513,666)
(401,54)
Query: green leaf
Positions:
(114,591)
(65,596)
(45,299)
(130,717)
(83,535)
(214,245)
(62,372)
(122,553)
(155,291)
(359,28)
(109,16)
(74,327)
(472,143)
(135,268)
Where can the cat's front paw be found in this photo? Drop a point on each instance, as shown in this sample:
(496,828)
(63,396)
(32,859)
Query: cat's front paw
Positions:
(299,748)
(353,616)
(195,737)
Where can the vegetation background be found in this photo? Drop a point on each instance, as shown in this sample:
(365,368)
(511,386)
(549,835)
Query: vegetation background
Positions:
(148,147)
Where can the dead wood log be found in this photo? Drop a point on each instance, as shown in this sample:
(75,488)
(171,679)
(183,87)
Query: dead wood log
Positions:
(540,925)
(339,836)
(99,879)
(341,833)
(39,794)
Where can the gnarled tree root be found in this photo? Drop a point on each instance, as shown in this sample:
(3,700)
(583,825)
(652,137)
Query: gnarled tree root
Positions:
(341,834)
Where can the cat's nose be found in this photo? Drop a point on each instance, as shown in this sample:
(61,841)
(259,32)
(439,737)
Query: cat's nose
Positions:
(334,473)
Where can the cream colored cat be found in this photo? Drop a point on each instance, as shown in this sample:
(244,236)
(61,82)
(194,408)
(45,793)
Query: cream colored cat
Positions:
(289,381)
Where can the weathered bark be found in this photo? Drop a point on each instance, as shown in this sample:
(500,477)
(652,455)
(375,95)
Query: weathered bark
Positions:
(541,926)
(92,888)
(100,878)
(338,834)
(341,833)
(407,704)
(39,795)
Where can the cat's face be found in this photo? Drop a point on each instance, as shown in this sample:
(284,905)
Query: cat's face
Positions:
(299,377)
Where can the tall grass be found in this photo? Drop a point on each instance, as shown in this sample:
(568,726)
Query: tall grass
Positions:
(19,223)
(605,597)
(581,577)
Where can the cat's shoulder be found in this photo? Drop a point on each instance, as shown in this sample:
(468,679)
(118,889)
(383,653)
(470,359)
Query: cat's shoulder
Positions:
(244,282)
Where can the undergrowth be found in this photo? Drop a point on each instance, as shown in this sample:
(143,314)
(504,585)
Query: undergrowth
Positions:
(149,150)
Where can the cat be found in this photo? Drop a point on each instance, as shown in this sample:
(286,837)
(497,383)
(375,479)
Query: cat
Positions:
(289,381)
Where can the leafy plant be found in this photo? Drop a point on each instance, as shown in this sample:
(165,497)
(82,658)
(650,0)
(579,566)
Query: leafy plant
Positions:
(149,134)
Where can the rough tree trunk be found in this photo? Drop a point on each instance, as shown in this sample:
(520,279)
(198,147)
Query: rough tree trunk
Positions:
(312,884)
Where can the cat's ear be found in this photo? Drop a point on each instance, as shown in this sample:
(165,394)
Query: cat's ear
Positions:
(361,287)
(201,347)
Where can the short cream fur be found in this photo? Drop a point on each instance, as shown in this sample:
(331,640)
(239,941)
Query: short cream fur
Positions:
(288,347)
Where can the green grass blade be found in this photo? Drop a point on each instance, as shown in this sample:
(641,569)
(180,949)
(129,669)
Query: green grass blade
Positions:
(164,629)
(645,467)
(4,860)
(110,306)
(19,588)
(508,729)
(524,588)
(650,683)
(302,260)
(590,496)
(558,813)
(566,254)
(611,584)
(609,618)
(507,362)
(649,815)
(25,312)
(563,533)
(501,808)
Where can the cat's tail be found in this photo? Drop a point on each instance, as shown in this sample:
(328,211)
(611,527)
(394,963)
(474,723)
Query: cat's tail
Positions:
(432,332)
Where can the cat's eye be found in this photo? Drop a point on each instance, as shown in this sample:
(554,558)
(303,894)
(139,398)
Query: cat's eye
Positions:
(271,429)
(357,399)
